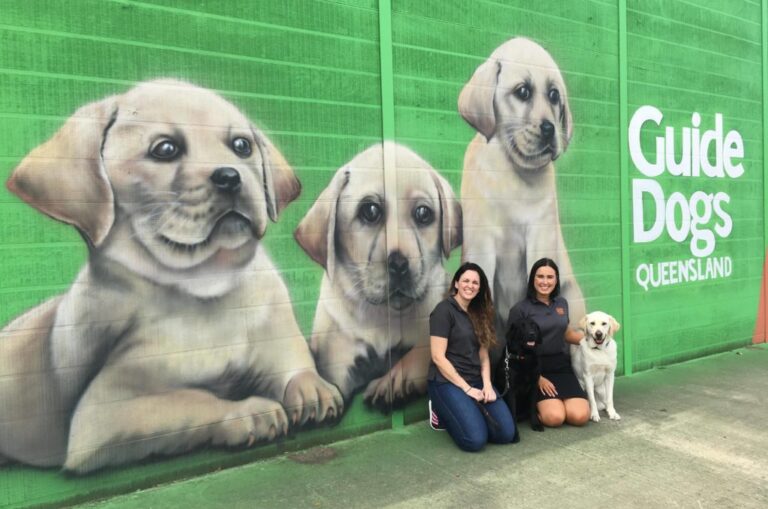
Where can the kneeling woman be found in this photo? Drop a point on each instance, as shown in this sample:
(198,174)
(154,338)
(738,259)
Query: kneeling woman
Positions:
(459,379)
(560,397)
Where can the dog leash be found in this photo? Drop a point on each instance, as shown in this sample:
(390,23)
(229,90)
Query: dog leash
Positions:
(488,417)
(507,356)
(506,371)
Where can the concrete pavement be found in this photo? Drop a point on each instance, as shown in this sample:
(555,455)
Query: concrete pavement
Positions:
(691,435)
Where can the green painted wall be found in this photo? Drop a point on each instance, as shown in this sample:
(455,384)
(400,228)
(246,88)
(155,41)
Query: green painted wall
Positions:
(704,59)
(327,79)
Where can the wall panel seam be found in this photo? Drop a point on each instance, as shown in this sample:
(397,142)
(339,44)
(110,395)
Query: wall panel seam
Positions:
(624,195)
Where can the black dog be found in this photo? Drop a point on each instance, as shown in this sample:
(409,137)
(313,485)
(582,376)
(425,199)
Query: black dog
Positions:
(517,373)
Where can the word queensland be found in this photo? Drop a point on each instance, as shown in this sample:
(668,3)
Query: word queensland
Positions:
(697,218)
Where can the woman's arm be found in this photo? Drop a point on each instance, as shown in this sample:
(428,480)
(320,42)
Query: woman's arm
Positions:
(438,347)
(572,336)
(489,395)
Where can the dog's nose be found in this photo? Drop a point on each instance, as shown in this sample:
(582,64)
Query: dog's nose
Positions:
(226,179)
(397,264)
(547,130)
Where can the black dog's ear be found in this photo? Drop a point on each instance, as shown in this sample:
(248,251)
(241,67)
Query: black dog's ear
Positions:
(513,332)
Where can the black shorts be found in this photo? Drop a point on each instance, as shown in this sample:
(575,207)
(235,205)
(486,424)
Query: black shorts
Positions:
(557,369)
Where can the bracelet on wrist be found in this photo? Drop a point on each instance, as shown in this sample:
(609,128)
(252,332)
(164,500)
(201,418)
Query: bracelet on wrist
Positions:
(469,388)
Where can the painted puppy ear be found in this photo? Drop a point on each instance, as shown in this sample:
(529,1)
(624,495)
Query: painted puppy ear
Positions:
(316,233)
(476,98)
(450,215)
(566,120)
(281,186)
(65,176)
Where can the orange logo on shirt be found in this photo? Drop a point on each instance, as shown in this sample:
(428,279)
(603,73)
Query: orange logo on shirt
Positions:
(560,311)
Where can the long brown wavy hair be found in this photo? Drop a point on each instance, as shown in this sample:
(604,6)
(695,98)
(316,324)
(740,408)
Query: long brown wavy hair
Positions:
(480,309)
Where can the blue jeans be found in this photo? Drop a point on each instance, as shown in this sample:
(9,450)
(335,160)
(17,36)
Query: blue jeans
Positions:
(464,420)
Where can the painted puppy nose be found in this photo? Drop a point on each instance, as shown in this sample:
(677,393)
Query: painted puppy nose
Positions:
(547,130)
(226,179)
(397,264)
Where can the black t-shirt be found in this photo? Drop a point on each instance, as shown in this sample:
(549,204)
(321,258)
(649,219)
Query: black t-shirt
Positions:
(449,321)
(552,319)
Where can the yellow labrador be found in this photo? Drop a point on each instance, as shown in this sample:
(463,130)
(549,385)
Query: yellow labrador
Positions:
(178,331)
(378,290)
(594,362)
(517,102)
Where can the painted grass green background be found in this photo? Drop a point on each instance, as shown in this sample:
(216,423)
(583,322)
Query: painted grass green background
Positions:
(308,72)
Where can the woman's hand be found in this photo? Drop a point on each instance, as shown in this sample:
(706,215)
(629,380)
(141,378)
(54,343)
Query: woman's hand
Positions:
(489,395)
(546,387)
(476,394)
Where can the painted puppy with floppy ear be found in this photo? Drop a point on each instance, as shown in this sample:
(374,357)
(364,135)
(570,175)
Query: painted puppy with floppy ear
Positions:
(179,331)
(382,251)
(517,102)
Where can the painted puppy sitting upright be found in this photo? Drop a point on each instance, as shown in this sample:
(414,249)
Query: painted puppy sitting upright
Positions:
(517,372)
(594,362)
(518,103)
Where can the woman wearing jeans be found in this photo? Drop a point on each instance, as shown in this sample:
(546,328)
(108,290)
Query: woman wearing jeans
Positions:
(459,379)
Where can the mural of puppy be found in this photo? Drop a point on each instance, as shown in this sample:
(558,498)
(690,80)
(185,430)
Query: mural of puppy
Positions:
(517,372)
(594,362)
(382,253)
(178,331)
(518,104)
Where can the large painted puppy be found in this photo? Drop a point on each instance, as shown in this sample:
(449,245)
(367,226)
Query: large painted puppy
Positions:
(518,104)
(382,249)
(594,362)
(178,331)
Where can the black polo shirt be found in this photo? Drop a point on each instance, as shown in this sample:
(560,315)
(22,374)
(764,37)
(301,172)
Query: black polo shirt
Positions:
(449,321)
(552,319)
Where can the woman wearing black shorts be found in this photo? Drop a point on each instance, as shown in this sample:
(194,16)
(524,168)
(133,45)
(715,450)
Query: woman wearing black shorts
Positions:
(560,397)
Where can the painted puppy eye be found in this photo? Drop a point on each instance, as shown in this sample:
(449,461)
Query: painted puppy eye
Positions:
(554,96)
(242,147)
(370,212)
(523,92)
(165,149)
(423,215)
